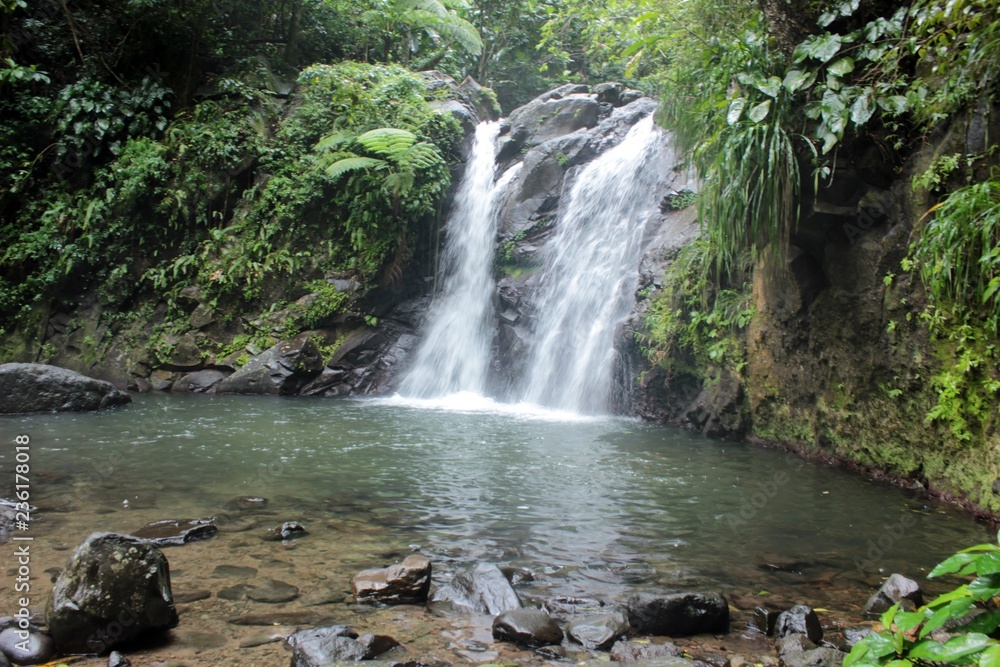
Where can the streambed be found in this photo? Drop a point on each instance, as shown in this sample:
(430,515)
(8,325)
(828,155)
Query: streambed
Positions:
(593,507)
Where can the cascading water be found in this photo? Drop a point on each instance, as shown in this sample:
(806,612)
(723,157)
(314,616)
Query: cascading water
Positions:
(454,355)
(590,274)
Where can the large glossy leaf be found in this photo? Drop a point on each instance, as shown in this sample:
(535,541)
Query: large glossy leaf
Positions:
(841,66)
(796,80)
(821,47)
(862,109)
(988,563)
(736,110)
(960,563)
(759,112)
(990,657)
(953,649)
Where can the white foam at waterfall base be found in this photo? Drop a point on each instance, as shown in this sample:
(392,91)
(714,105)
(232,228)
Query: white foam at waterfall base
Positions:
(454,354)
(590,274)
(469,402)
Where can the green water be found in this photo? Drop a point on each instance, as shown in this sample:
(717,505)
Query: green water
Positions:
(594,507)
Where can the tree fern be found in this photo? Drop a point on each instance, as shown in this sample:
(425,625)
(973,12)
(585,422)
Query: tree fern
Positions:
(388,141)
(353,163)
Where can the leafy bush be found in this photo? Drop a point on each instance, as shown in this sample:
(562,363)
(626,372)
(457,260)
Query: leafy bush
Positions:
(953,628)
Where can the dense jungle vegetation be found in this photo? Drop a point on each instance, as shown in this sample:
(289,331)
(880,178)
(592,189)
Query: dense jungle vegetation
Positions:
(256,151)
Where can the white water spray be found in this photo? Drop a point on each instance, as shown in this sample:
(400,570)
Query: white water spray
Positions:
(590,275)
(454,355)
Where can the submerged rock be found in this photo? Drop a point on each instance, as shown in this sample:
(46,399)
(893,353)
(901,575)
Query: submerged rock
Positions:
(527,627)
(678,613)
(290,530)
(114,589)
(896,588)
(43,388)
(799,620)
(482,589)
(173,532)
(404,583)
(272,591)
(817,657)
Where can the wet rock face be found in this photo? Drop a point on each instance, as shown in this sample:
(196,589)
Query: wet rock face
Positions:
(114,589)
(678,614)
(404,583)
(896,588)
(483,589)
(527,627)
(42,388)
(283,369)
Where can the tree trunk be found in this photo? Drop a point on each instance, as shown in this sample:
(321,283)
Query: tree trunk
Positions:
(292,43)
(790,21)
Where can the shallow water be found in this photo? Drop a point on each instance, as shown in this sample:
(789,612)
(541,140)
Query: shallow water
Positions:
(595,507)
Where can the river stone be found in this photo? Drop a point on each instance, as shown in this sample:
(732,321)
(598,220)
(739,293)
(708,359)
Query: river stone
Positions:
(33,649)
(174,532)
(799,620)
(404,583)
(116,659)
(678,613)
(238,571)
(290,530)
(817,657)
(245,504)
(895,589)
(794,644)
(187,597)
(320,647)
(632,651)
(764,620)
(43,388)
(115,588)
(235,593)
(282,369)
(599,631)
(273,591)
(527,627)
(482,589)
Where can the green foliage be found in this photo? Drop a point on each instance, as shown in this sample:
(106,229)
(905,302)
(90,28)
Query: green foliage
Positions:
(958,251)
(325,303)
(954,628)
(678,201)
(396,20)
(692,324)
(91,117)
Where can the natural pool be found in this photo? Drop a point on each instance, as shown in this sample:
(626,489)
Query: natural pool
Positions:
(595,507)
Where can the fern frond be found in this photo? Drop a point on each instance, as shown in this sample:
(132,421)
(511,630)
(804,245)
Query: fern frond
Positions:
(388,141)
(330,141)
(356,163)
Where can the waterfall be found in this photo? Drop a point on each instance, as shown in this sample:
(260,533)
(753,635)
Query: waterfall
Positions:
(454,355)
(590,274)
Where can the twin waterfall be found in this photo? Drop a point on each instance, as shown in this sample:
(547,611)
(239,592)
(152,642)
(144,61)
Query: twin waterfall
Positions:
(586,287)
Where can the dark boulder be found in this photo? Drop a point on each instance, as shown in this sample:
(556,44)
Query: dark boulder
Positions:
(527,627)
(609,93)
(817,657)
(799,620)
(896,588)
(283,369)
(290,530)
(599,631)
(200,382)
(114,589)
(321,647)
(678,613)
(42,388)
(29,646)
(173,532)
(764,620)
(483,589)
(404,583)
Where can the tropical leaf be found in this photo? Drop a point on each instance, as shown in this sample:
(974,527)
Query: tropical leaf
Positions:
(348,164)
(388,141)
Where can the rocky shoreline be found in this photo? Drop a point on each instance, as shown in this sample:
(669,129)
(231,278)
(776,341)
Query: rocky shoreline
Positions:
(116,596)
